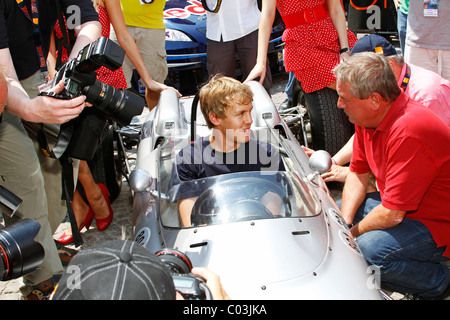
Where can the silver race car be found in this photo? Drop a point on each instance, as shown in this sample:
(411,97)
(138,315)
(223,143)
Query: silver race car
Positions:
(267,234)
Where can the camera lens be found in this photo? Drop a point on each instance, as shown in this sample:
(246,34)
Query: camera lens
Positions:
(175,260)
(19,253)
(119,104)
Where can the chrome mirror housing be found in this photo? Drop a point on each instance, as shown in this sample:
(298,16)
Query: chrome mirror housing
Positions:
(320,162)
(140,180)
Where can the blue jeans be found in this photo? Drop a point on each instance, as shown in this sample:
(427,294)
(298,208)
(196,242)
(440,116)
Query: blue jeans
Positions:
(401,28)
(407,256)
(290,86)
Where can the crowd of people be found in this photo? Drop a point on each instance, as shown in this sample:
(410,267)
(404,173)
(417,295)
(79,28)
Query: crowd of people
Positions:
(396,167)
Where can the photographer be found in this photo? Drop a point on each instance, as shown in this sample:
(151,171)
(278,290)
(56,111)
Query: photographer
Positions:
(35,178)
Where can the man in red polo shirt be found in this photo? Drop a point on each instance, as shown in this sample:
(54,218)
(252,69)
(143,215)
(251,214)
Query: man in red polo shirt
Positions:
(406,231)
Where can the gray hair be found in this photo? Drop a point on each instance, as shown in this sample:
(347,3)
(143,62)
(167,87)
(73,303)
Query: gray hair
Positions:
(368,73)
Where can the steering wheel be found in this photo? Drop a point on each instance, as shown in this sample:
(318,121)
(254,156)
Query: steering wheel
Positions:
(249,209)
(205,210)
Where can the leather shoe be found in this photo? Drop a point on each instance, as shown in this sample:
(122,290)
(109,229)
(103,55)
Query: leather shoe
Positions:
(68,238)
(41,291)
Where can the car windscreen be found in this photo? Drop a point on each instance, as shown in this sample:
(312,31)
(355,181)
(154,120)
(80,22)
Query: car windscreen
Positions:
(245,196)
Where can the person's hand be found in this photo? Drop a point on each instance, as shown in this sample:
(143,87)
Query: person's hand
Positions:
(44,109)
(344,56)
(153,91)
(336,173)
(308,151)
(213,283)
(159,87)
(257,71)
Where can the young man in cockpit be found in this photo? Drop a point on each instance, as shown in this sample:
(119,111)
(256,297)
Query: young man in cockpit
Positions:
(226,105)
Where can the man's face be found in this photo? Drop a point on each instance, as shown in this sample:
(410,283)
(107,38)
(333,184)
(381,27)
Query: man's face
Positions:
(235,127)
(359,111)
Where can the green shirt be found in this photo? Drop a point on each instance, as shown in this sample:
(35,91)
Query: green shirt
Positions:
(404,6)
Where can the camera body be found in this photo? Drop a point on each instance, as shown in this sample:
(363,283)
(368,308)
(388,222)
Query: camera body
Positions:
(190,286)
(79,73)
(80,77)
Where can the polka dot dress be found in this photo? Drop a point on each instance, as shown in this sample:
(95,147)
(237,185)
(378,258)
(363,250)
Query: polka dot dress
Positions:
(113,78)
(311,50)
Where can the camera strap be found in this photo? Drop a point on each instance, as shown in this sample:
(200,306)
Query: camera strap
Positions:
(68,35)
(59,152)
(68,190)
(64,135)
(216,7)
(34,19)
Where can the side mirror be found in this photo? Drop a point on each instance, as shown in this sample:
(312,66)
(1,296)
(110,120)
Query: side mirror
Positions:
(320,162)
(140,180)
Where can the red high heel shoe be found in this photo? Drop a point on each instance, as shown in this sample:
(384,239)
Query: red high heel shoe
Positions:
(102,224)
(68,238)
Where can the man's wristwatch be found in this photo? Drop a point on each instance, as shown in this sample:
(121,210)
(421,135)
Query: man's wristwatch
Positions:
(346,49)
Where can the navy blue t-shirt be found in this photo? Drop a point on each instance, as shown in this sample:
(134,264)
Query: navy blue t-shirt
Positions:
(201,160)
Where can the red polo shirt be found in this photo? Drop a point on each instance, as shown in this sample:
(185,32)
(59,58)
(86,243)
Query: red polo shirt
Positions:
(409,154)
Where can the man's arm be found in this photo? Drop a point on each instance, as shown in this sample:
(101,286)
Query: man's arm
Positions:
(377,219)
(40,109)
(185,208)
(86,33)
(353,194)
(45,109)
(344,155)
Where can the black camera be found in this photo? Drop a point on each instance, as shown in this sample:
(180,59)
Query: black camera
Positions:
(190,286)
(19,253)
(79,78)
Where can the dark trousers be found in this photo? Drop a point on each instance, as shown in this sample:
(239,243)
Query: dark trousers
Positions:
(221,57)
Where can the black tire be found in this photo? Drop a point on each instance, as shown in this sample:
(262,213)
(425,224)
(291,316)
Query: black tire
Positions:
(328,126)
(106,165)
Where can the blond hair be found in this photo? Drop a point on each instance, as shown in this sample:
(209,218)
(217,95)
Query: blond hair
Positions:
(219,94)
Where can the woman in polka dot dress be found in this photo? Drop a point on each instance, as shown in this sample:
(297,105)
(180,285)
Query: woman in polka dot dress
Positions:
(316,39)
